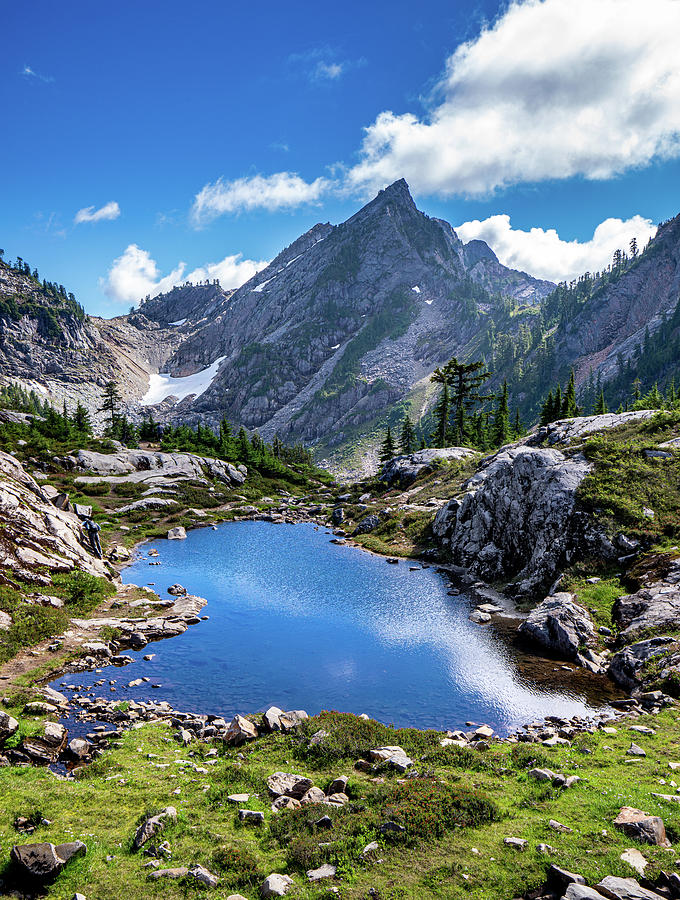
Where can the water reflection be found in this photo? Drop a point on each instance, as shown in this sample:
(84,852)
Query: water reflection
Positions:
(303,623)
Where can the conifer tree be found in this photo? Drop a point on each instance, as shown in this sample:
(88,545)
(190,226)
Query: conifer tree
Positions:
(601,406)
(244,448)
(442,411)
(407,441)
(548,409)
(111,403)
(387,450)
(501,424)
(81,419)
(569,407)
(517,428)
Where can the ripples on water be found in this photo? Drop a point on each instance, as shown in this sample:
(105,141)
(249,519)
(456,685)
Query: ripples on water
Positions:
(305,624)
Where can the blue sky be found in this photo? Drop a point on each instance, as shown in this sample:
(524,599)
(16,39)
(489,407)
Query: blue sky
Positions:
(546,114)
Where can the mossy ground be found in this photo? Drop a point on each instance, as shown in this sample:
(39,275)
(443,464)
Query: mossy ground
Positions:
(104,806)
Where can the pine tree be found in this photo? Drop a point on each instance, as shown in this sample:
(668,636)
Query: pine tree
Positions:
(500,433)
(517,428)
(244,448)
(407,441)
(569,407)
(81,419)
(548,409)
(226,439)
(111,403)
(387,449)
(637,384)
(601,406)
(442,411)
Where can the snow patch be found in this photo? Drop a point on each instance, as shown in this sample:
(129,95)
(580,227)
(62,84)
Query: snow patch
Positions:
(162,386)
(178,322)
(335,347)
(292,260)
(415,289)
(260,287)
(428,302)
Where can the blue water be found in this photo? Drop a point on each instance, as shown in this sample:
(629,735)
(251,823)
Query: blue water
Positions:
(302,623)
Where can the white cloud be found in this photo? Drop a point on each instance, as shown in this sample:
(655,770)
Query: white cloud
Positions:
(135,274)
(283,190)
(105,213)
(553,89)
(330,71)
(231,272)
(542,252)
(31,73)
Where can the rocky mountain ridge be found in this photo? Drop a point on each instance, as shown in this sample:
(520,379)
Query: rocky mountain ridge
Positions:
(343,329)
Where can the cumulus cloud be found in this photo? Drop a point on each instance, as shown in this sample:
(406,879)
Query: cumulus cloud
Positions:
(134,274)
(105,213)
(542,252)
(231,272)
(553,89)
(283,190)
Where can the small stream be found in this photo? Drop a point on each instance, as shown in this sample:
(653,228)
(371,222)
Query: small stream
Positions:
(302,623)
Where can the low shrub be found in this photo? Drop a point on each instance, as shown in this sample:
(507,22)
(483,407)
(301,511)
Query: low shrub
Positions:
(427,809)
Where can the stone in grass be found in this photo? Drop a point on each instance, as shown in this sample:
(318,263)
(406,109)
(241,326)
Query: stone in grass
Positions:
(635,860)
(153,825)
(581,892)
(239,731)
(236,897)
(238,798)
(251,816)
(8,726)
(177,534)
(324,871)
(43,862)
(624,889)
(641,826)
(562,878)
(313,795)
(634,750)
(516,843)
(173,874)
(558,826)
(288,784)
(285,803)
(203,876)
(276,885)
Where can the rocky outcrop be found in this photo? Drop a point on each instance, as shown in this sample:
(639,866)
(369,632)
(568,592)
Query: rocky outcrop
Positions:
(651,610)
(629,666)
(155,467)
(37,538)
(560,625)
(403,470)
(571,431)
(518,520)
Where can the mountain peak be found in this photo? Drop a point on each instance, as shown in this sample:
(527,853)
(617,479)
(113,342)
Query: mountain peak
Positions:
(398,191)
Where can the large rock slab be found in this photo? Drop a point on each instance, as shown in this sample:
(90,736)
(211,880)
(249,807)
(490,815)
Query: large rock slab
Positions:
(559,624)
(154,467)
(405,469)
(518,519)
(571,431)
(37,538)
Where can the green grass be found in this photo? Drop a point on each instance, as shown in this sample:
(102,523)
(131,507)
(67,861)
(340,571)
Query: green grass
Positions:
(464,800)
(625,483)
